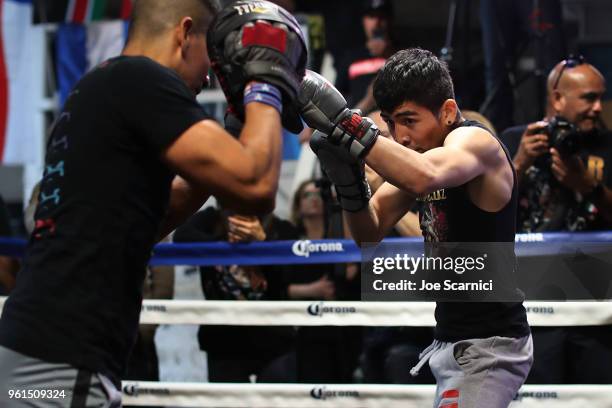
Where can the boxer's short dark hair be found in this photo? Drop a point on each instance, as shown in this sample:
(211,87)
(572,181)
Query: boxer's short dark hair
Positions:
(414,75)
(152,17)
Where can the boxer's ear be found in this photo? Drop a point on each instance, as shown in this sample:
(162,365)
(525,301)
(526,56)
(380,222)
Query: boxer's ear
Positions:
(448,112)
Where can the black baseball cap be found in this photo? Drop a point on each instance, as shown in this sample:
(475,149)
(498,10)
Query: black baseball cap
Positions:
(378,7)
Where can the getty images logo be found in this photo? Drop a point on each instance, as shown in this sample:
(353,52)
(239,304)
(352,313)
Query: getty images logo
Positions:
(305,247)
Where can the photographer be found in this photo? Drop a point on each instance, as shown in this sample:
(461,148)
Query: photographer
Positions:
(562,161)
(562,166)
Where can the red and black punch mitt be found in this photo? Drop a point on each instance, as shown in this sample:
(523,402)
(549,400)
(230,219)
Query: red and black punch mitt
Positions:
(258,40)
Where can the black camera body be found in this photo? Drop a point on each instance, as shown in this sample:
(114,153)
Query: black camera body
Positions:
(563,136)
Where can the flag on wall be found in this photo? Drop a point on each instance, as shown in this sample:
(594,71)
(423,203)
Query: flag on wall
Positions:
(80,47)
(80,11)
(20,96)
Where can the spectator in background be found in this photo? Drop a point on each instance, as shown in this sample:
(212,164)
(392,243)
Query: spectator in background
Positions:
(8,266)
(325,354)
(307,214)
(508,27)
(567,193)
(377,20)
(241,353)
(343,38)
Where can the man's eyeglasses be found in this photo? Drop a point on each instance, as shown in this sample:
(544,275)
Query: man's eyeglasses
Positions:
(571,62)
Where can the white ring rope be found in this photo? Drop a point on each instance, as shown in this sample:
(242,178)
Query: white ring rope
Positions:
(342,395)
(287,313)
(345,395)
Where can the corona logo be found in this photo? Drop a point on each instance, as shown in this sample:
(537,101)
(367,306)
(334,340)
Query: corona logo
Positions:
(306,247)
(131,390)
(319,309)
(323,393)
(529,237)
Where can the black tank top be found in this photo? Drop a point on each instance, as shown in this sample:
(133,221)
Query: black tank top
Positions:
(449,215)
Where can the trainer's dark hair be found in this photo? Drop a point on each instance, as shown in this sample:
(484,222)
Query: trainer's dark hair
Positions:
(414,75)
(151,18)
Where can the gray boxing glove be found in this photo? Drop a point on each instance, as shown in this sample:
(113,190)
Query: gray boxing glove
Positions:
(324,108)
(345,171)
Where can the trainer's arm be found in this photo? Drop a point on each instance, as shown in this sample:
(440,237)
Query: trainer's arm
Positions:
(466,154)
(388,205)
(242,174)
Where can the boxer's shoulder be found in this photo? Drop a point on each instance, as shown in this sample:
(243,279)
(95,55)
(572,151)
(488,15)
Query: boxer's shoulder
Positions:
(474,139)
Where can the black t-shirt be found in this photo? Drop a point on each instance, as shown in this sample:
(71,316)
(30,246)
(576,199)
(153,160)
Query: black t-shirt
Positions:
(449,215)
(546,205)
(104,193)
(361,73)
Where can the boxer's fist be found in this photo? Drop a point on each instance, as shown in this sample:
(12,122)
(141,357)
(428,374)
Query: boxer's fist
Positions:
(346,172)
(258,41)
(320,103)
(324,108)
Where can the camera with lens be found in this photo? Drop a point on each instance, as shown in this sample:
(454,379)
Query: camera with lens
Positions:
(562,135)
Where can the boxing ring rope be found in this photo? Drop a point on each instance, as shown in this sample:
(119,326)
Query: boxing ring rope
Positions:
(311,251)
(318,313)
(342,395)
(300,313)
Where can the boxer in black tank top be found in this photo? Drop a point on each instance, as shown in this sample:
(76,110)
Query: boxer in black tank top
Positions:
(463,178)
(453,217)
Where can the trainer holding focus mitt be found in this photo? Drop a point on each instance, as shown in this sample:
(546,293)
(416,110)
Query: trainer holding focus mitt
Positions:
(131,156)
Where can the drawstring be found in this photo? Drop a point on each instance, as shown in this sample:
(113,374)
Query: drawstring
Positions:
(425,356)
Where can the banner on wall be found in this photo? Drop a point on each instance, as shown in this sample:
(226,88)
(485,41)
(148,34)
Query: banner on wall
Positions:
(80,11)
(80,47)
(19,93)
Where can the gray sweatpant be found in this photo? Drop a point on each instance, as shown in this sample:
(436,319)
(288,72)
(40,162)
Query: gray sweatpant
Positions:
(478,373)
(33,383)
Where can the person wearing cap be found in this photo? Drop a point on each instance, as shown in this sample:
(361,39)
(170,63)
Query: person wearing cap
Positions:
(377,20)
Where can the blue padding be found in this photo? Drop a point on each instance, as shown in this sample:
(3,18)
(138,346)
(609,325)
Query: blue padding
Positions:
(257,253)
(319,251)
(12,247)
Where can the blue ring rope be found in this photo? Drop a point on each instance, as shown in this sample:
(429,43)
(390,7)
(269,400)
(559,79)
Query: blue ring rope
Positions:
(316,251)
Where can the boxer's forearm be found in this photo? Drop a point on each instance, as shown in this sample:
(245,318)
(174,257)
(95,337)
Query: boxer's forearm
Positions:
(466,154)
(383,211)
(364,225)
(402,167)
(409,225)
